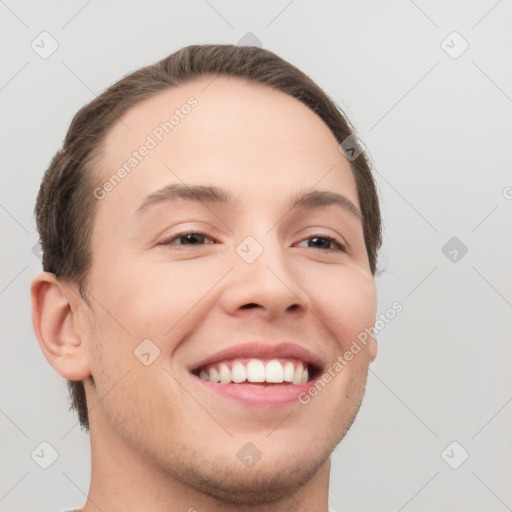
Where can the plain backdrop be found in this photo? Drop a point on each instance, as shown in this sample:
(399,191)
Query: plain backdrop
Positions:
(429,87)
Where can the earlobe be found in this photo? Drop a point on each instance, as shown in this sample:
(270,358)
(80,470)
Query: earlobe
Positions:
(56,327)
(373,348)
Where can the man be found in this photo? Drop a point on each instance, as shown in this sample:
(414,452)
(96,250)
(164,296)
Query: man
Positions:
(209,259)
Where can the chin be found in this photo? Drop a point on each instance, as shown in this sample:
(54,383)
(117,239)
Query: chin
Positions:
(264,483)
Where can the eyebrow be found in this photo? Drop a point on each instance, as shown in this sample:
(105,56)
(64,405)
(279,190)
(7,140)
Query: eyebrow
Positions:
(216,195)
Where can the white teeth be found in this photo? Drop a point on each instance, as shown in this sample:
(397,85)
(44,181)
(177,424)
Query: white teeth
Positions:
(238,373)
(274,372)
(297,376)
(214,375)
(288,372)
(224,374)
(255,371)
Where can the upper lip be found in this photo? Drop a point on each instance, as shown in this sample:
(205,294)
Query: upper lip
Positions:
(260,350)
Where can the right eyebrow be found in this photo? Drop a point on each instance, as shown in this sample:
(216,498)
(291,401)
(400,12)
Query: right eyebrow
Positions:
(207,194)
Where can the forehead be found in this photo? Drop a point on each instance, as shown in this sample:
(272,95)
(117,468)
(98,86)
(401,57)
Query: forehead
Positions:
(227,104)
(223,131)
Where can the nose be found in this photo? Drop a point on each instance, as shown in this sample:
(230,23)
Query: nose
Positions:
(268,287)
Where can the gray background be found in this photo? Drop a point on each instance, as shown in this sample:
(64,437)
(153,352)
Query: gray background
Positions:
(438,130)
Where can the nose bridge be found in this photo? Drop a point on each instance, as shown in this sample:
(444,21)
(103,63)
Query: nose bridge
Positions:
(266,251)
(262,275)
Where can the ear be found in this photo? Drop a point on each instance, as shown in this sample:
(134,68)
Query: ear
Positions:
(373,348)
(57,327)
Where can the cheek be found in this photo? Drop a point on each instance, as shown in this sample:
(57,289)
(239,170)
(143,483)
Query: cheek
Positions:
(158,300)
(110,346)
(150,300)
(346,301)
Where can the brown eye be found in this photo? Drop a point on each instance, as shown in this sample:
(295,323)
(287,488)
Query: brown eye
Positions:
(188,239)
(323,242)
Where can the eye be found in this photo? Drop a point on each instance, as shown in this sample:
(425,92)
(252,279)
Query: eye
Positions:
(190,238)
(323,242)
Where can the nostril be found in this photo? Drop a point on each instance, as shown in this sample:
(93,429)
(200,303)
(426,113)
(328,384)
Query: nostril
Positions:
(251,305)
(293,307)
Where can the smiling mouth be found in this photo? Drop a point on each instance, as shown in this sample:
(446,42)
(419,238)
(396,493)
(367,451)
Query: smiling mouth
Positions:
(263,372)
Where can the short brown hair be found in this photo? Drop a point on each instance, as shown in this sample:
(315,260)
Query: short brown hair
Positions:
(65,207)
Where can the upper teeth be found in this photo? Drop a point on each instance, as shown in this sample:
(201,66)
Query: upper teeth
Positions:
(256,370)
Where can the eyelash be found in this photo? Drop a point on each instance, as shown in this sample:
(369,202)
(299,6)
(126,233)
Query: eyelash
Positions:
(339,246)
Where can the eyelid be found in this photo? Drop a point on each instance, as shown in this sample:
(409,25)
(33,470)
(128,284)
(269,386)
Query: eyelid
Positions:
(169,239)
(172,228)
(336,240)
(342,246)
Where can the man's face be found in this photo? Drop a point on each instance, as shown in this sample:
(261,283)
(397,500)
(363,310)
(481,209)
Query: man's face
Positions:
(182,273)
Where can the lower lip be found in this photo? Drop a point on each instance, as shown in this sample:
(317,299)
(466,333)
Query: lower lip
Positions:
(269,395)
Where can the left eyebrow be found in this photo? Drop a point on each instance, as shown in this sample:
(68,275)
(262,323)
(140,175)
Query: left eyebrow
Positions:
(209,194)
(316,198)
